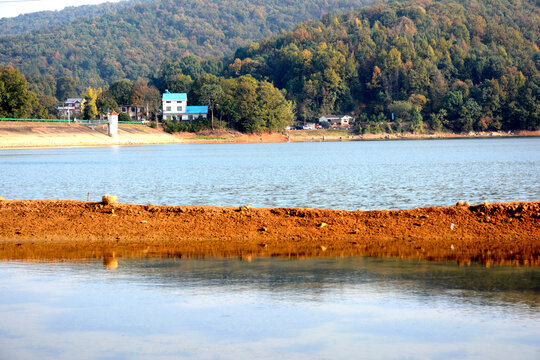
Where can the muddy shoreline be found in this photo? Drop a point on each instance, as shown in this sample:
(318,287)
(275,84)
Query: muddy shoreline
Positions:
(500,233)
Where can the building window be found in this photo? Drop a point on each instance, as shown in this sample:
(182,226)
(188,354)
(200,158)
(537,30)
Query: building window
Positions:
(167,102)
(179,108)
(168,108)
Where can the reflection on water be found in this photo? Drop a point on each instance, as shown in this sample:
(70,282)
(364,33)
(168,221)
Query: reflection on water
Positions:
(267,308)
(110,262)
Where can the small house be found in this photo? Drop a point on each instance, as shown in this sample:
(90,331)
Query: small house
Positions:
(175,106)
(135,112)
(70,108)
(336,120)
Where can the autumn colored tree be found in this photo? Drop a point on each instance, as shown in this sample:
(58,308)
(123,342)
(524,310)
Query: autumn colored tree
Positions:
(90,110)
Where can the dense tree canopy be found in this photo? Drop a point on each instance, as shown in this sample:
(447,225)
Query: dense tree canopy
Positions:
(462,65)
(457,65)
(130,40)
(253,106)
(44,19)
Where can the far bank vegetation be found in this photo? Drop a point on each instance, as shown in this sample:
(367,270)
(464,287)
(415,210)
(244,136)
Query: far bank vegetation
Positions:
(404,66)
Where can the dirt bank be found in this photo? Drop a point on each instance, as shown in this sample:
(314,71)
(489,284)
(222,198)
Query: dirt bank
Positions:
(49,229)
(38,135)
(345,135)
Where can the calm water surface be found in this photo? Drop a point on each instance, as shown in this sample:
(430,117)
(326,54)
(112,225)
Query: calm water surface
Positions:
(342,175)
(353,308)
(357,308)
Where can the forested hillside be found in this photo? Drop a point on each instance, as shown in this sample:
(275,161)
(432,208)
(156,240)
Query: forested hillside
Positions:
(45,19)
(460,65)
(133,41)
(417,65)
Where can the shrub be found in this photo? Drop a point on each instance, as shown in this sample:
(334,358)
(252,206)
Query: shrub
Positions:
(124,117)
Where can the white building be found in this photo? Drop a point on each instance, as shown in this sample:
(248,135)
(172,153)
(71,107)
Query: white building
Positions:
(175,105)
(336,120)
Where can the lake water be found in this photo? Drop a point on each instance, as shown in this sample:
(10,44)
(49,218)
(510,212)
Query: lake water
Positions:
(342,175)
(352,308)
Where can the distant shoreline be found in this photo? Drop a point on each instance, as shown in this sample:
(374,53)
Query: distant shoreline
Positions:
(19,135)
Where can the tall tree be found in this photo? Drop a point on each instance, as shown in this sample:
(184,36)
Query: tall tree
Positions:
(121,91)
(16,101)
(211,95)
(66,88)
(273,108)
(90,110)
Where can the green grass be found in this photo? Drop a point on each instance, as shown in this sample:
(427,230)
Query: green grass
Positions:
(201,137)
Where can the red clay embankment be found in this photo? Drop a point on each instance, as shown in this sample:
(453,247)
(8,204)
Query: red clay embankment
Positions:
(505,233)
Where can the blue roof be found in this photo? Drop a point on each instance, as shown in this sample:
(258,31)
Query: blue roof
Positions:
(196,110)
(174,96)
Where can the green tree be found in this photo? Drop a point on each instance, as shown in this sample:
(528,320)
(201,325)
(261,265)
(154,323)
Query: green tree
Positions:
(191,66)
(402,110)
(66,88)
(105,103)
(252,106)
(210,94)
(121,91)
(469,116)
(47,107)
(16,101)
(274,110)
(437,120)
(452,103)
(42,85)
(417,123)
(244,93)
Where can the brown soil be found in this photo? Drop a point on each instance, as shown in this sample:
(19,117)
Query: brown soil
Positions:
(504,233)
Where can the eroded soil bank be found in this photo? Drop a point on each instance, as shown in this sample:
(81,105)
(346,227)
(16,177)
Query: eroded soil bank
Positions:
(502,233)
